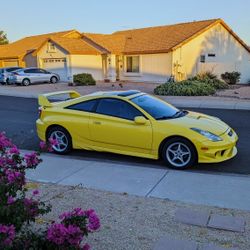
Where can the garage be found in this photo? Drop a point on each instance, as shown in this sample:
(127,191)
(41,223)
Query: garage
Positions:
(58,66)
(10,63)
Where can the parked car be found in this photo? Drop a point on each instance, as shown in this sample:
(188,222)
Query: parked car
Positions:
(33,75)
(5,74)
(134,123)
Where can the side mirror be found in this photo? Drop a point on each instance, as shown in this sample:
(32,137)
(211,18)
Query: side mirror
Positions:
(140,120)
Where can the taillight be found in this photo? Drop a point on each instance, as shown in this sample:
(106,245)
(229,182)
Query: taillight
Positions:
(39,112)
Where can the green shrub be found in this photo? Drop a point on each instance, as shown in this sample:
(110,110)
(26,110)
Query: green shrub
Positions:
(231,77)
(84,79)
(185,88)
(210,78)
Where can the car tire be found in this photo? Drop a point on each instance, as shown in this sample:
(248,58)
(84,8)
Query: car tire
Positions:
(63,137)
(53,79)
(179,153)
(26,82)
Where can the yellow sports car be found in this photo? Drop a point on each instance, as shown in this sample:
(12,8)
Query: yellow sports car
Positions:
(134,123)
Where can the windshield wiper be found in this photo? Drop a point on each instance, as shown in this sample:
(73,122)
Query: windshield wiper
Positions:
(179,113)
(163,118)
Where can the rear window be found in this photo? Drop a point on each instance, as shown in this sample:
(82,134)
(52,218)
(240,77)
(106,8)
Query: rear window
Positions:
(87,106)
(12,69)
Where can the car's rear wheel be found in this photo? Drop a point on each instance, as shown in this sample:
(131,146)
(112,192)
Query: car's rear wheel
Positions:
(179,153)
(53,79)
(26,82)
(62,138)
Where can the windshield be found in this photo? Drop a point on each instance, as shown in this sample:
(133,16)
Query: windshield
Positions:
(158,109)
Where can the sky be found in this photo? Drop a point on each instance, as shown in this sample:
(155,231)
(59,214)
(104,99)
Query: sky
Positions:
(21,18)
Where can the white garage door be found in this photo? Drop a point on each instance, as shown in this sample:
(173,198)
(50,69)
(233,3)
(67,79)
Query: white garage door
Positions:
(10,63)
(58,66)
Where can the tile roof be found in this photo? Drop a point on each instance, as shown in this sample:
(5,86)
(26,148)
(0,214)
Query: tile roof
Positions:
(149,40)
(113,43)
(27,44)
(157,39)
(160,39)
(76,46)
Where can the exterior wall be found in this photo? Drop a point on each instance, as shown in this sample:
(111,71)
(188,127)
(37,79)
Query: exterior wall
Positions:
(45,54)
(153,68)
(64,70)
(230,55)
(30,60)
(91,64)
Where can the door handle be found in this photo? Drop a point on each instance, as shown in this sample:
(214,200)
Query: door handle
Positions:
(97,123)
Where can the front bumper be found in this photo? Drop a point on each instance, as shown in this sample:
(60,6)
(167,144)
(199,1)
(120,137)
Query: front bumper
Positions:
(212,152)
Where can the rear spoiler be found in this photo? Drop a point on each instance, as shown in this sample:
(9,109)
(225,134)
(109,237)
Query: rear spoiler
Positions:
(44,101)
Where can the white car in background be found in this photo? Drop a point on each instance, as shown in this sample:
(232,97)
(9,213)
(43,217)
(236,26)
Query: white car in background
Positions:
(28,76)
(5,73)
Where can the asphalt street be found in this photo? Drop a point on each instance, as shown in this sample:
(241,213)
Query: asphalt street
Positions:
(18,116)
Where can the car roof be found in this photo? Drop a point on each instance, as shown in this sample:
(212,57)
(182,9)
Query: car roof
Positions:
(11,67)
(127,94)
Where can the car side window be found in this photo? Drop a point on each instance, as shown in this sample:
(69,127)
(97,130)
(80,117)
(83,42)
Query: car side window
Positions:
(87,106)
(32,71)
(42,71)
(117,108)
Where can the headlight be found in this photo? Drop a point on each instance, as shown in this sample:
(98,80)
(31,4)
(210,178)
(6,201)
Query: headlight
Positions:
(208,135)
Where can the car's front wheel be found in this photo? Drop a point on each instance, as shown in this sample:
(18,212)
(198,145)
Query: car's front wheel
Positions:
(53,79)
(179,153)
(62,143)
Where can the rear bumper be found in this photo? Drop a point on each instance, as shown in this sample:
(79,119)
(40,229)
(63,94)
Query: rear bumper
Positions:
(41,130)
(212,152)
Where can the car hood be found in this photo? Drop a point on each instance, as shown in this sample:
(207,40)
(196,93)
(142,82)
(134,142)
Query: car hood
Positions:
(204,122)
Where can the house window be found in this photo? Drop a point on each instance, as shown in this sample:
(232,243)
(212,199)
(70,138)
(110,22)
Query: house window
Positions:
(202,58)
(51,47)
(211,55)
(133,64)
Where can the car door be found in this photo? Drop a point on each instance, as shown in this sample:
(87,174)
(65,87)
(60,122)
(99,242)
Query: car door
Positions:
(44,75)
(33,75)
(112,126)
(78,122)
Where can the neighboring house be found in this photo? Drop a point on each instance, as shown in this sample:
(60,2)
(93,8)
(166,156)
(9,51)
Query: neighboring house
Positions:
(149,54)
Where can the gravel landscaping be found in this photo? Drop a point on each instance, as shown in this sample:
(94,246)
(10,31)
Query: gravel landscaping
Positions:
(237,91)
(131,222)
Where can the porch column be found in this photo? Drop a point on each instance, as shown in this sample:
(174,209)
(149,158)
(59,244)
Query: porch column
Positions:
(112,68)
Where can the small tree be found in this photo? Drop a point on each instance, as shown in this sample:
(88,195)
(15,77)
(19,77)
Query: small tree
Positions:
(3,38)
(231,77)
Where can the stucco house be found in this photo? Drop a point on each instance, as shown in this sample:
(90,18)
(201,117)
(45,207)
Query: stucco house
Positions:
(148,54)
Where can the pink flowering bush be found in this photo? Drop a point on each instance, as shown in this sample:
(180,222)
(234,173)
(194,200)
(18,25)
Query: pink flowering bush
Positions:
(18,211)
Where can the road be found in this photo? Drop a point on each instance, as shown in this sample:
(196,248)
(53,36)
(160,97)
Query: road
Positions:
(18,115)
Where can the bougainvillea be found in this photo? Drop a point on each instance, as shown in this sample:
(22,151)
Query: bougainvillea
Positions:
(19,210)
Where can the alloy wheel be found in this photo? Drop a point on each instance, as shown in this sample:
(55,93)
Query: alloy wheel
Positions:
(178,154)
(61,141)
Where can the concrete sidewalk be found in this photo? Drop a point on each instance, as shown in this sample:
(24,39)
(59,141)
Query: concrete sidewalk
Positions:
(226,191)
(180,101)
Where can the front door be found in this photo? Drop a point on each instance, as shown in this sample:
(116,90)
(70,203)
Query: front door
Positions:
(112,126)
